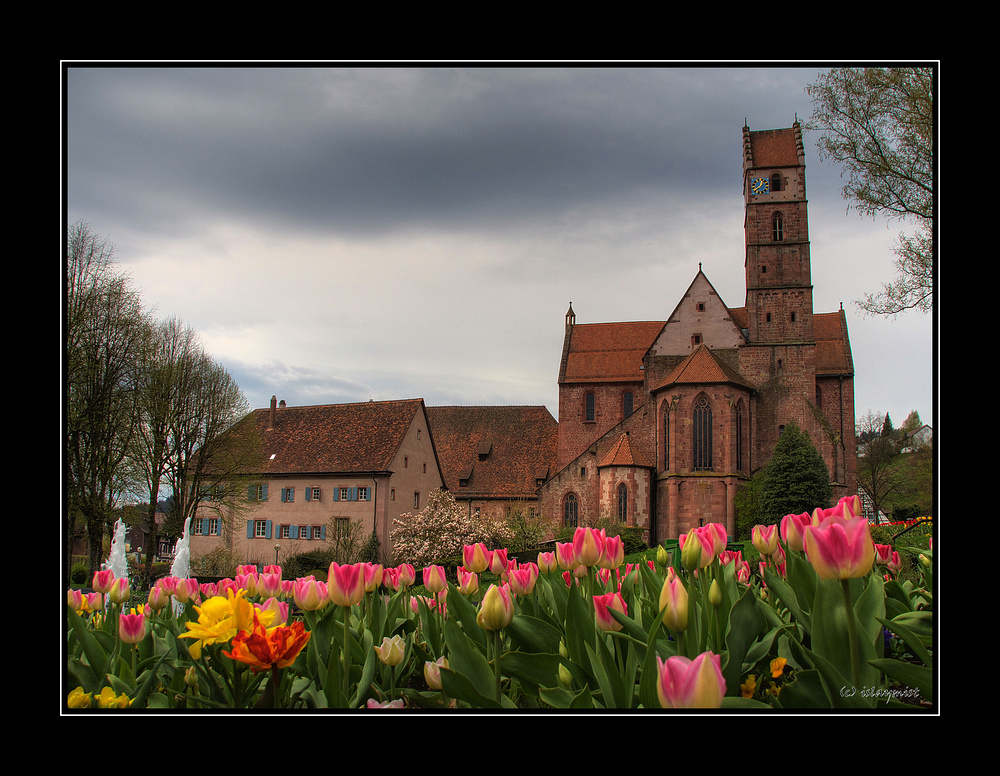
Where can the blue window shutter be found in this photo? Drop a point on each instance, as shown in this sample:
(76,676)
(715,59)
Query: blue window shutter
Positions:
(336,494)
(322,532)
(293,532)
(249,529)
(204,526)
(267,530)
(264,498)
(354,494)
(251,492)
(309,494)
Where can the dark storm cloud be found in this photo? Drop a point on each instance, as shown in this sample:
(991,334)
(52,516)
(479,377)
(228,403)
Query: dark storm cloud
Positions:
(376,149)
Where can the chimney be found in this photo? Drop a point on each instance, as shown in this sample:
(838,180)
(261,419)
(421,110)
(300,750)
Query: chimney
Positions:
(270,419)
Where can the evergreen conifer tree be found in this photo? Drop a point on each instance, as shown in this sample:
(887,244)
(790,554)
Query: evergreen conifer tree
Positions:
(795,480)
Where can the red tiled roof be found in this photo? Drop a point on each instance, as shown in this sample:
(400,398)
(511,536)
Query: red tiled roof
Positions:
(333,438)
(494,452)
(774,148)
(702,367)
(606,352)
(624,453)
(833,347)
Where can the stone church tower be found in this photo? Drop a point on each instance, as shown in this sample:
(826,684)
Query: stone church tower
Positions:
(661,422)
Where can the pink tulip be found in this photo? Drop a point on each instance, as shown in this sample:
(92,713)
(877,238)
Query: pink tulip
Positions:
(248,583)
(468,582)
(120,591)
(186,590)
(588,545)
(209,589)
(743,572)
(547,562)
(373,576)
(432,672)
(273,569)
(496,610)
(764,538)
(697,549)
(405,576)
(132,628)
(498,561)
(475,557)
(103,580)
(894,564)
(793,528)
(345,584)
(308,594)
(158,598)
(674,604)
(614,553)
(602,606)
(95,601)
(566,556)
(390,578)
(75,599)
(268,585)
(840,548)
(522,580)
(280,609)
(690,684)
(883,553)
(434,579)
(719,536)
(227,584)
(247,570)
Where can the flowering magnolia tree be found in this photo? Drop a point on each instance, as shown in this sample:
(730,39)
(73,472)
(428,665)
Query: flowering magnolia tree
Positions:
(821,623)
(440,530)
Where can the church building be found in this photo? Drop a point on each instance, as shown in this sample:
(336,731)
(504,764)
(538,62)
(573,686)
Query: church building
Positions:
(661,422)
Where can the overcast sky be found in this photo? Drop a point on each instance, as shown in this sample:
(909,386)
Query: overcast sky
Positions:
(339,234)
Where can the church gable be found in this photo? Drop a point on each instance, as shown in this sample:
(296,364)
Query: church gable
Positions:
(700,318)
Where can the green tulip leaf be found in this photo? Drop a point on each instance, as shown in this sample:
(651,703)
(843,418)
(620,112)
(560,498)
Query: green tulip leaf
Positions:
(534,635)
(910,676)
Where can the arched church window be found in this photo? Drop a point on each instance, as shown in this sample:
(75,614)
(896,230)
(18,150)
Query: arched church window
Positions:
(627,401)
(778,227)
(702,435)
(776,182)
(622,503)
(589,404)
(571,515)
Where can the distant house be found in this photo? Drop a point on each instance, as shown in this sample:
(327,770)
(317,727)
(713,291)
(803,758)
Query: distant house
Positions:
(918,438)
(321,468)
(495,457)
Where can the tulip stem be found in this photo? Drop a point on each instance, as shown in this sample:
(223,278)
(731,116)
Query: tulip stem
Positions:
(496,665)
(346,647)
(852,632)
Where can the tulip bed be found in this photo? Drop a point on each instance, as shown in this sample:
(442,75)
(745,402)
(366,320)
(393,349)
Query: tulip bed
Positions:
(821,623)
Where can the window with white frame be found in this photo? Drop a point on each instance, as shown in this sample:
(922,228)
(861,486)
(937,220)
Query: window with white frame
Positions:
(213,526)
(260,529)
(362,494)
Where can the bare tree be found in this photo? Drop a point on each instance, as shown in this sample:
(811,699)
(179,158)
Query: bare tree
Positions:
(215,448)
(878,123)
(104,336)
(879,465)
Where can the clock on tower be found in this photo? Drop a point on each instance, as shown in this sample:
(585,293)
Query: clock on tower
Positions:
(760,185)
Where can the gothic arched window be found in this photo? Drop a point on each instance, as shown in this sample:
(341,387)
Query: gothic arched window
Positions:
(777,227)
(701,441)
(776,182)
(589,403)
(571,515)
(623,503)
